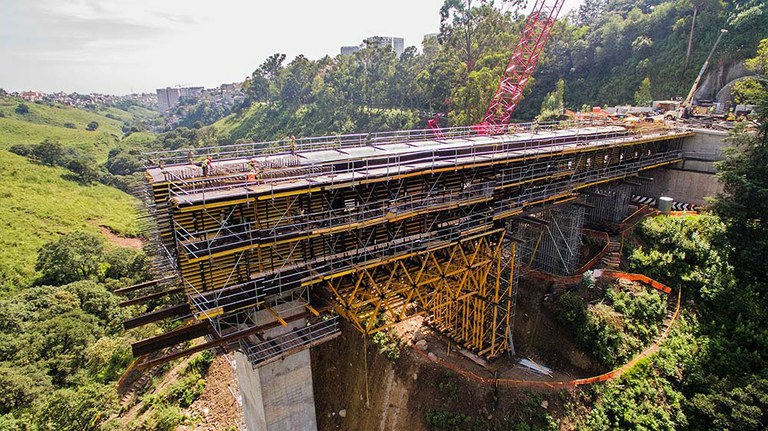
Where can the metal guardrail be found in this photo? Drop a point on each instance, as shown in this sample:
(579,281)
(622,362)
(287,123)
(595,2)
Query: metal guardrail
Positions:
(290,342)
(315,143)
(390,164)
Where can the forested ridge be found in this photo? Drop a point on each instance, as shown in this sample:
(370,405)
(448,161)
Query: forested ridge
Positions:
(603,51)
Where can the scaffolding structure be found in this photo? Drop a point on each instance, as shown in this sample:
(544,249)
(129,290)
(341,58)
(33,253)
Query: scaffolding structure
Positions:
(609,204)
(551,239)
(378,227)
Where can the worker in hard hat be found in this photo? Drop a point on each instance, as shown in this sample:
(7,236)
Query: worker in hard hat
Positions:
(292,145)
(208,166)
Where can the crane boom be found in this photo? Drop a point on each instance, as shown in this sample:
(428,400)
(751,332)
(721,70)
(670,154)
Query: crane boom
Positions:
(536,31)
(689,99)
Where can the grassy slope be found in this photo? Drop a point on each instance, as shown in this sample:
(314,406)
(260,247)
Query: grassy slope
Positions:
(239,124)
(37,203)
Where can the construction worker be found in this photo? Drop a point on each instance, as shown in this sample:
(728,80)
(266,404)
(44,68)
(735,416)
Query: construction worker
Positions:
(208,166)
(292,145)
(251,175)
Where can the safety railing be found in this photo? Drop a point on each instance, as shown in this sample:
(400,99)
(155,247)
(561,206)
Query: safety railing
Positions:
(296,339)
(293,275)
(332,142)
(205,242)
(385,163)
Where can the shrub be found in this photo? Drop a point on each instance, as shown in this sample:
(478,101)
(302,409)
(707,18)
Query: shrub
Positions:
(387,345)
(21,150)
(186,390)
(70,125)
(164,418)
(73,257)
(22,109)
(92,126)
(443,420)
(49,152)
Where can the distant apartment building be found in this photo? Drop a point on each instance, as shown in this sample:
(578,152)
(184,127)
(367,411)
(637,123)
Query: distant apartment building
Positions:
(396,43)
(194,92)
(32,96)
(349,50)
(167,98)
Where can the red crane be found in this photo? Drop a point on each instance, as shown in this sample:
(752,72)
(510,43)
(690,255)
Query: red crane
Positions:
(536,31)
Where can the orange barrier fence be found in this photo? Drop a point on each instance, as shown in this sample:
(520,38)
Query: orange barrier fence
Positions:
(560,384)
(638,277)
(592,262)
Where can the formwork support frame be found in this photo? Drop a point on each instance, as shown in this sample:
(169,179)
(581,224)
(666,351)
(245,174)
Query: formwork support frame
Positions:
(465,288)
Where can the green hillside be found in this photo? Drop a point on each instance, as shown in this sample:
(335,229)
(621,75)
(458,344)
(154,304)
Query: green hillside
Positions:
(602,51)
(59,115)
(38,203)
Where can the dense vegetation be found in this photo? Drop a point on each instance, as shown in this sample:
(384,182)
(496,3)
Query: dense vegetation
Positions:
(617,325)
(607,52)
(711,372)
(61,341)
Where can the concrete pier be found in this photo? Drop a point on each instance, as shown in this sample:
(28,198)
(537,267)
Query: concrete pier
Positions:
(278,396)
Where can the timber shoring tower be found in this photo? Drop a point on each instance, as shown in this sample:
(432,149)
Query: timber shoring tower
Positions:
(375,227)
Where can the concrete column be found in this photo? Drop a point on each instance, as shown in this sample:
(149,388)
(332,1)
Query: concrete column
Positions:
(278,396)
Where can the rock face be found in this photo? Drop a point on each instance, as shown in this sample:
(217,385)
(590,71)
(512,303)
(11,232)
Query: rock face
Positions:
(717,80)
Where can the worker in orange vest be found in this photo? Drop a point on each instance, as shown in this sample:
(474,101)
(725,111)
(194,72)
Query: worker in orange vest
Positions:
(208,166)
(251,176)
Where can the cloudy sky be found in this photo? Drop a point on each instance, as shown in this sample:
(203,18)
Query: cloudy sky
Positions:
(124,46)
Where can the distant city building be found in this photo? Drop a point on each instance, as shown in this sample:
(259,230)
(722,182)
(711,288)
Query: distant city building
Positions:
(430,44)
(31,96)
(194,92)
(396,43)
(167,98)
(349,50)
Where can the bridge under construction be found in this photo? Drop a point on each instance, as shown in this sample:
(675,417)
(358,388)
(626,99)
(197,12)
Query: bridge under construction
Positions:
(268,247)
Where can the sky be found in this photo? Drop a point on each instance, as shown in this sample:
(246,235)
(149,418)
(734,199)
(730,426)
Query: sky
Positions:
(127,46)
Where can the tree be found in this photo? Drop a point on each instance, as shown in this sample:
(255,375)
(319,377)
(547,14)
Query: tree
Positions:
(73,257)
(60,343)
(21,386)
(92,126)
(80,409)
(22,109)
(50,152)
(643,94)
(85,167)
(553,104)
(743,204)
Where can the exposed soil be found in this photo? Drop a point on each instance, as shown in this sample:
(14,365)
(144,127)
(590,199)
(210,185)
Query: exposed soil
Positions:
(216,409)
(121,241)
(539,335)
(400,393)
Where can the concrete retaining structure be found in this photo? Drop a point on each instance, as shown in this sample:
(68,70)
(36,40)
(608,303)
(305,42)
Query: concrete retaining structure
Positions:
(694,179)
